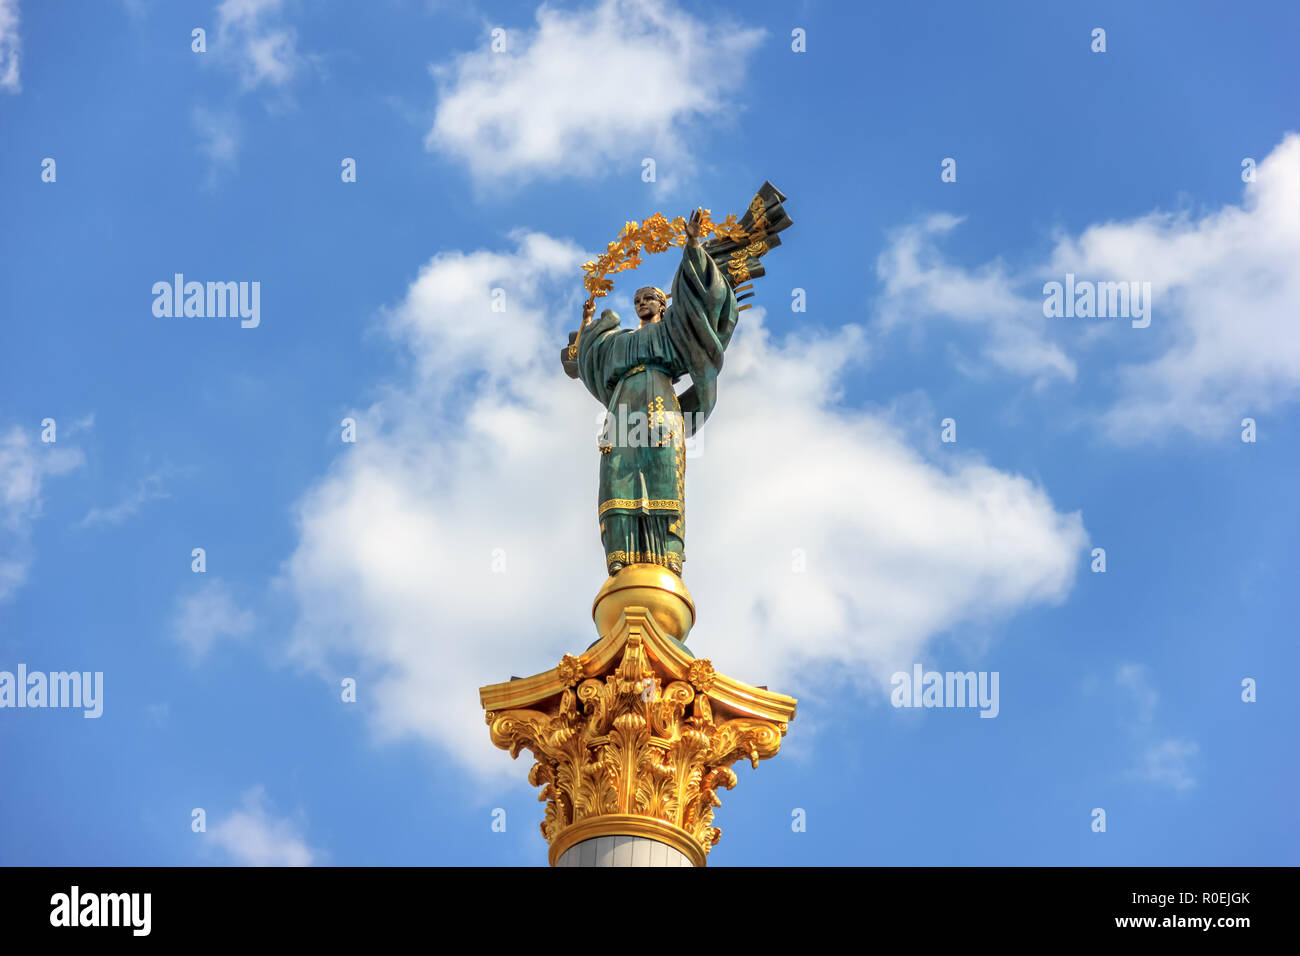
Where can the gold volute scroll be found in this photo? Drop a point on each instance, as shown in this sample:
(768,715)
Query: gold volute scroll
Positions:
(635,737)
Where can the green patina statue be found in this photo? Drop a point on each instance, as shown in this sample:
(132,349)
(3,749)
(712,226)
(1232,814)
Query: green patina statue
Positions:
(642,500)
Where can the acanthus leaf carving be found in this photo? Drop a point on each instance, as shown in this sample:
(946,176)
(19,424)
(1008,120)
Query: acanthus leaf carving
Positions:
(623,743)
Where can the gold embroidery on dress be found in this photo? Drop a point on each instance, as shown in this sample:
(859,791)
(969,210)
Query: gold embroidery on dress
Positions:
(672,561)
(681,482)
(655,416)
(649,504)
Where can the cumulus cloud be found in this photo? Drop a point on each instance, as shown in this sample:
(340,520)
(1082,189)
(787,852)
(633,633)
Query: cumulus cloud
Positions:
(10,47)
(24,466)
(1223,340)
(488,451)
(264,50)
(208,615)
(587,90)
(252,836)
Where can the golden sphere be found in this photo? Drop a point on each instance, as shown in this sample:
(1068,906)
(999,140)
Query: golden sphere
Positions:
(656,589)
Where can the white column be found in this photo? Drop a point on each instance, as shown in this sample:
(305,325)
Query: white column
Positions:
(622,851)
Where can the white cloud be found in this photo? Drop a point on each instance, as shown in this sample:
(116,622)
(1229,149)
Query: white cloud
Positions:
(83,424)
(1226,290)
(920,285)
(218,139)
(1133,679)
(208,615)
(1224,340)
(253,41)
(148,488)
(24,466)
(589,89)
(489,446)
(10,47)
(1163,761)
(262,49)
(1166,763)
(253,837)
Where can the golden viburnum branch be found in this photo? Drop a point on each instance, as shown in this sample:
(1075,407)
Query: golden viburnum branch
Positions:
(654,234)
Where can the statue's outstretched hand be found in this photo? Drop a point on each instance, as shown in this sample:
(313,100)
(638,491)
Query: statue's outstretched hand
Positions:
(588,311)
(693,228)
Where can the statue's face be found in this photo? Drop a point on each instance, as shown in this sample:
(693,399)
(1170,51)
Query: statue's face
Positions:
(647,305)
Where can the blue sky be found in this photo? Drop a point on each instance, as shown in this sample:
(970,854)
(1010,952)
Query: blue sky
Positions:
(478,170)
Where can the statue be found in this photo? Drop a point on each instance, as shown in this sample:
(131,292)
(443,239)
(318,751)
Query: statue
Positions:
(635,737)
(641,505)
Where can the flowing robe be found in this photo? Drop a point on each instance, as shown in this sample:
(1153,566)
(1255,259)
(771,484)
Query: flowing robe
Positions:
(641,504)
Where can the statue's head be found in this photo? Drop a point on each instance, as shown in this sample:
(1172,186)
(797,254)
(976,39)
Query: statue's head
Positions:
(649,304)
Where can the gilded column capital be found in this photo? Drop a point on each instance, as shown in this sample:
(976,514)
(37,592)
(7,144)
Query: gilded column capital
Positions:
(635,737)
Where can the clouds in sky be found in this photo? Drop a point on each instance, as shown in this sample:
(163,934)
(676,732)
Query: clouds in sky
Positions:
(920,285)
(253,40)
(1162,761)
(490,450)
(1224,340)
(218,132)
(253,836)
(24,467)
(1166,763)
(207,615)
(148,488)
(252,37)
(10,47)
(1226,287)
(590,90)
